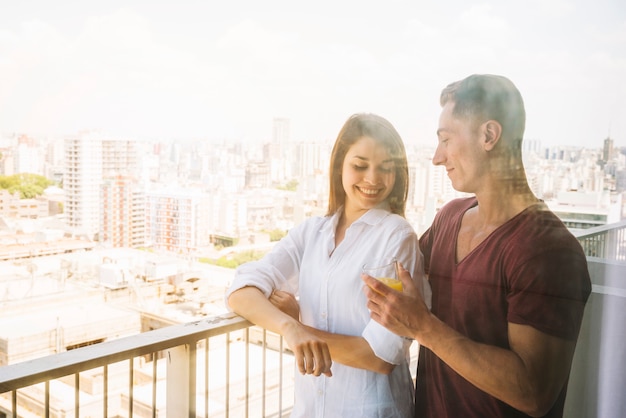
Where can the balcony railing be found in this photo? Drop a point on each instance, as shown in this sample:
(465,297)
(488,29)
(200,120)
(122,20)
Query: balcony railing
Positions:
(217,367)
(606,241)
(224,367)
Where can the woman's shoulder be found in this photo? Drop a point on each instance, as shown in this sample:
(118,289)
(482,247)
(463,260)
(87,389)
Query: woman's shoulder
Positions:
(313,224)
(395,222)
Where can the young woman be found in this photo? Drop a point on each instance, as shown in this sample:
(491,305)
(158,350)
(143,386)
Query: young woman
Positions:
(320,262)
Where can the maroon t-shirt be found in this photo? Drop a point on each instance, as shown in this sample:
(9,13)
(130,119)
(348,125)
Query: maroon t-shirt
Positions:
(530,271)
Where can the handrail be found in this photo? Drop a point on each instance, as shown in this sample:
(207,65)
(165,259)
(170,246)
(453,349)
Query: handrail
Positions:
(604,241)
(19,375)
(600,229)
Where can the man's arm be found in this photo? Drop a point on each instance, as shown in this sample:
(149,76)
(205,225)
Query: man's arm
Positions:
(352,351)
(528,376)
(311,352)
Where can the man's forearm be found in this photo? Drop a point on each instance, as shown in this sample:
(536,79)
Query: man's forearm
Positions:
(353,351)
(528,376)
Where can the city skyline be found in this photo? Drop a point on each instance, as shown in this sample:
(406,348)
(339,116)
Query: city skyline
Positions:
(155,70)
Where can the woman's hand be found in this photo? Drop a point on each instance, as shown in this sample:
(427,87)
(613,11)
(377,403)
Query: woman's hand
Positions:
(286,302)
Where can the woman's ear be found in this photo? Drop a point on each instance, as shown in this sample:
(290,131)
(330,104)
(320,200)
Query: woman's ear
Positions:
(493,132)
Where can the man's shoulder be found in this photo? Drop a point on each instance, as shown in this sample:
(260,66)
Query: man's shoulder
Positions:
(456,206)
(459,203)
(539,230)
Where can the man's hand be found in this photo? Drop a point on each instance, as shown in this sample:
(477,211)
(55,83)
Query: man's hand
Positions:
(286,302)
(312,353)
(404,313)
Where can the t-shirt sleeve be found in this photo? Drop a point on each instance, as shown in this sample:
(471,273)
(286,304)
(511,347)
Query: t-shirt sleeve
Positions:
(549,292)
(425,244)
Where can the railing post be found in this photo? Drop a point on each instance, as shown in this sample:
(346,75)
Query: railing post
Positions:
(177,387)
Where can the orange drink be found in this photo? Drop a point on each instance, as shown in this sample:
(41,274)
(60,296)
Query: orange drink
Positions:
(385,270)
(392,283)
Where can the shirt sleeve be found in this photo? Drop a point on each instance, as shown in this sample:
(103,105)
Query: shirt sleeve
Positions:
(388,346)
(278,270)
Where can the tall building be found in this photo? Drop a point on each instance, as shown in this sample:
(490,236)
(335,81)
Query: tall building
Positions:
(89,159)
(258,175)
(228,217)
(281,135)
(310,158)
(81,181)
(607,150)
(28,156)
(123,217)
(119,157)
(279,151)
(178,219)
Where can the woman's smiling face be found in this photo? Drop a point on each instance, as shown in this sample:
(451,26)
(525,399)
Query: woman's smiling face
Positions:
(368,175)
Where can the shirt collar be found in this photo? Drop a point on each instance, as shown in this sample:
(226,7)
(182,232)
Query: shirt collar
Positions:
(371,217)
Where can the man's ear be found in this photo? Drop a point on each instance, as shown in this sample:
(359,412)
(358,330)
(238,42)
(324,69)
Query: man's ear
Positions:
(493,132)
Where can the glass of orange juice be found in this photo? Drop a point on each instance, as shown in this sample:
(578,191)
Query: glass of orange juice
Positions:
(385,270)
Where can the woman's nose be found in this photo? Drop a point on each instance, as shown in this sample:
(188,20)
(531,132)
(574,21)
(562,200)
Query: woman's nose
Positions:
(371,177)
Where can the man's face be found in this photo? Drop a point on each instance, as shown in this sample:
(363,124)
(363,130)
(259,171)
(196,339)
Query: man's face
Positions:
(459,150)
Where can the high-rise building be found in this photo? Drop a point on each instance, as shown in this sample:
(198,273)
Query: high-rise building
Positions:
(258,175)
(81,181)
(28,156)
(229,215)
(281,135)
(607,150)
(123,218)
(310,158)
(89,159)
(279,152)
(177,219)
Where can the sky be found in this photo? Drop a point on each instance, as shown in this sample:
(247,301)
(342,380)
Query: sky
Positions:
(209,70)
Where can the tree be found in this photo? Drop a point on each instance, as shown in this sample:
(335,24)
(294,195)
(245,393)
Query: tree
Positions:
(276,234)
(28,185)
(291,186)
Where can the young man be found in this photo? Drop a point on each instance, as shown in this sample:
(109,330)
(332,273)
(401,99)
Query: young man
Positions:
(509,282)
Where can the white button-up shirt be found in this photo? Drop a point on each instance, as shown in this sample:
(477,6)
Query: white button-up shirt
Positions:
(327,281)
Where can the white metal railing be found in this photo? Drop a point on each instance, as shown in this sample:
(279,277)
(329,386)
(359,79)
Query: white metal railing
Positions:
(606,241)
(201,368)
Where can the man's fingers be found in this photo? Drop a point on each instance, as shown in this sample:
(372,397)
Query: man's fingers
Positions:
(314,360)
(322,361)
(405,278)
(300,361)
(328,362)
(376,285)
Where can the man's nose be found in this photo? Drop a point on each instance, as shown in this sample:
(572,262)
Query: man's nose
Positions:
(439,156)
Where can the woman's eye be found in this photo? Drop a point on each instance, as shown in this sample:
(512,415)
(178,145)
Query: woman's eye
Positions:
(359,167)
(386,169)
